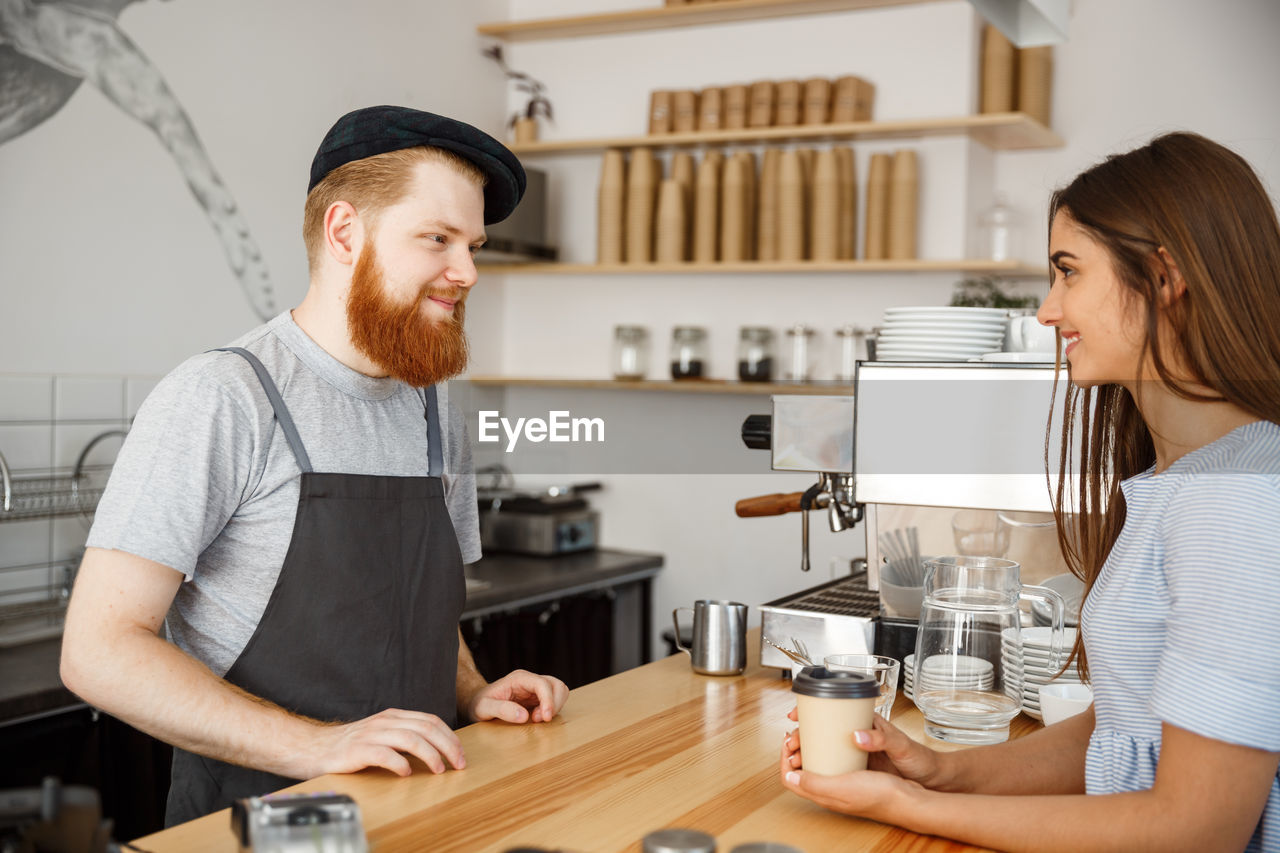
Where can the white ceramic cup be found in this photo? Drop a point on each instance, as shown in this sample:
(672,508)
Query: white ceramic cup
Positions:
(1060,701)
(1027,335)
(831,707)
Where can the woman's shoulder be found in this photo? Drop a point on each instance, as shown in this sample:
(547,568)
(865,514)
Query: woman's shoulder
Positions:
(1253,449)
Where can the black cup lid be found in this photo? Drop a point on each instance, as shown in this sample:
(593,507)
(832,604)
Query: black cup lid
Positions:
(823,683)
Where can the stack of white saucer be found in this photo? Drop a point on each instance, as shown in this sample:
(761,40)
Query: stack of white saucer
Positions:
(940,333)
(1035,662)
(947,672)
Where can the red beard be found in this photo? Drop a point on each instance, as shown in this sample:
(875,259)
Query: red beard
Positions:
(399,338)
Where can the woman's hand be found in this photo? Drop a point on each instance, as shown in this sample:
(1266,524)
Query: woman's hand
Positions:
(889,751)
(866,793)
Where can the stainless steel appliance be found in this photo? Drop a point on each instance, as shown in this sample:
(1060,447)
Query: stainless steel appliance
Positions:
(915,444)
(553,521)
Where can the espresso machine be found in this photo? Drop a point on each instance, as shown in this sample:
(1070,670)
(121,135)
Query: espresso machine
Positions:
(922,455)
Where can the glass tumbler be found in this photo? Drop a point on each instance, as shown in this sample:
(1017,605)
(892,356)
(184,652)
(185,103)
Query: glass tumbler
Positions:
(882,668)
(630,352)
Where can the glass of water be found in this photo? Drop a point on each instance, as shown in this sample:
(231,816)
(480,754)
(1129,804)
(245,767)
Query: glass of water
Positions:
(884,669)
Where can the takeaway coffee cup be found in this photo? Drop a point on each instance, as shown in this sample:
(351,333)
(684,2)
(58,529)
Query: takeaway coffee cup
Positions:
(719,637)
(832,706)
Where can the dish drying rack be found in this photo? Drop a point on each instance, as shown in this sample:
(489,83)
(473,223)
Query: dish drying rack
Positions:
(32,613)
(53,495)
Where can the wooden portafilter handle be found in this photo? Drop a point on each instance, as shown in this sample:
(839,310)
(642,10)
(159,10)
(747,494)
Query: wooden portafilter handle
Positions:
(776,504)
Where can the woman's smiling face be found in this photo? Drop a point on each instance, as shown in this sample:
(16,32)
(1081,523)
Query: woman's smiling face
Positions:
(1101,321)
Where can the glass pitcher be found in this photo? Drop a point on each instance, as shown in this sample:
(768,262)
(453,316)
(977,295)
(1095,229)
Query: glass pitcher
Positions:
(968,665)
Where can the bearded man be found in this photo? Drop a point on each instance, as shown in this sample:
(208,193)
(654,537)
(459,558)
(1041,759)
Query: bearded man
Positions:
(296,508)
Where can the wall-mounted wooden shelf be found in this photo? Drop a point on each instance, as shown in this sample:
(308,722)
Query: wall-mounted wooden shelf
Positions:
(997,131)
(668,17)
(683,386)
(1007,269)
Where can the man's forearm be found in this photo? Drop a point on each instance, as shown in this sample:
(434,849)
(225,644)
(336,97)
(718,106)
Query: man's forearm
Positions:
(469,681)
(157,688)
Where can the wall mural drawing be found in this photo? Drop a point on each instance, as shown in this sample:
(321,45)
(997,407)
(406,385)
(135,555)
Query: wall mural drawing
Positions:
(48,47)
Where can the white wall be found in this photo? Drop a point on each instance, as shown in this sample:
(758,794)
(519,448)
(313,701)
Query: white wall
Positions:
(109,264)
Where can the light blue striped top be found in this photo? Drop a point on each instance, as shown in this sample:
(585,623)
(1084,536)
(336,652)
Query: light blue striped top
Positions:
(1183,624)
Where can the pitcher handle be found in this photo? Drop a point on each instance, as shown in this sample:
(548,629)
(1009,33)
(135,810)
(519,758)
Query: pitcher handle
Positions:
(675,620)
(1058,608)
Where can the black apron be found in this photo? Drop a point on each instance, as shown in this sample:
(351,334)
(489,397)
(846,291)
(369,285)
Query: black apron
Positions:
(363,617)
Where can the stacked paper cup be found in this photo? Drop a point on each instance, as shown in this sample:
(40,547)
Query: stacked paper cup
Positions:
(824,229)
(684,171)
(671,222)
(706,205)
(642,188)
(733,208)
(612,208)
(791,206)
(847,248)
(876,237)
(767,214)
(998,64)
(904,194)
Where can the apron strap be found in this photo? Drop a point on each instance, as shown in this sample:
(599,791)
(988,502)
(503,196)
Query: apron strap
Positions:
(435,453)
(277,403)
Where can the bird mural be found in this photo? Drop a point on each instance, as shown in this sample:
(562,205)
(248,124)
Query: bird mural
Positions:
(48,48)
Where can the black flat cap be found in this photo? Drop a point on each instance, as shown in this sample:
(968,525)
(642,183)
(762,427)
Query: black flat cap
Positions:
(377,130)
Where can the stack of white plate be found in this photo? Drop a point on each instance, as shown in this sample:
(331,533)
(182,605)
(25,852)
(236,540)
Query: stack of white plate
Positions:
(940,333)
(1034,661)
(956,672)
(909,677)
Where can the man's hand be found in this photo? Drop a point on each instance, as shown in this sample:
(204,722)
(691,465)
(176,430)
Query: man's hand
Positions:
(519,697)
(384,740)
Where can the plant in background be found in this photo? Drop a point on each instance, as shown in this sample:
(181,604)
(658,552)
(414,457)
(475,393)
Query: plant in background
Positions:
(537,103)
(988,292)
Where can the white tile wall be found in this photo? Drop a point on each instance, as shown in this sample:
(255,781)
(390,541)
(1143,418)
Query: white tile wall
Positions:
(69,440)
(23,543)
(29,446)
(88,398)
(45,423)
(136,390)
(25,398)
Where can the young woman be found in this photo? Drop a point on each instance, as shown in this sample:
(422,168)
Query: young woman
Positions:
(1166,295)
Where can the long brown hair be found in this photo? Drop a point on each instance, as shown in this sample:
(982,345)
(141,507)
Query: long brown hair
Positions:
(1204,205)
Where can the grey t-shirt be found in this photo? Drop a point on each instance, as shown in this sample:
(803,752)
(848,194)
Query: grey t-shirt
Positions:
(206,482)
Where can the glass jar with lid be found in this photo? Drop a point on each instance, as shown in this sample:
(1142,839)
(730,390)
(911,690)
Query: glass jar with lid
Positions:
(755,354)
(630,352)
(848,342)
(801,352)
(688,352)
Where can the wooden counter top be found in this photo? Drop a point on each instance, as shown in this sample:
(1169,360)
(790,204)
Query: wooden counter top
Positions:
(655,747)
